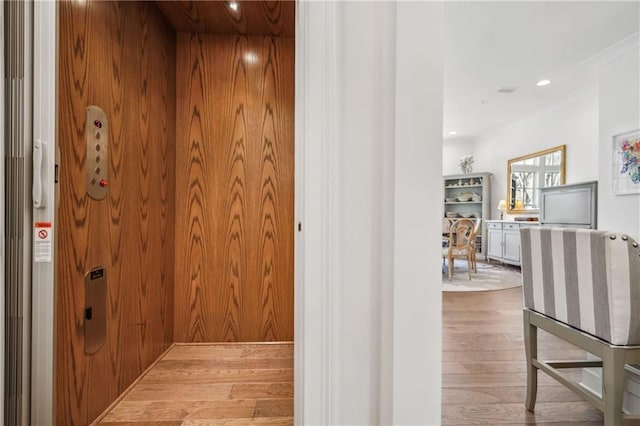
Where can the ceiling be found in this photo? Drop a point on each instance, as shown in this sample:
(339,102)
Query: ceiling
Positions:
(262,18)
(493,45)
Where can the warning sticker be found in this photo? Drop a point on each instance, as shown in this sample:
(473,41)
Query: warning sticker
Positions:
(42,247)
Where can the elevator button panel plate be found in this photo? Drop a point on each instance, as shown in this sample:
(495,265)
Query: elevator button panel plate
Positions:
(97,135)
(95,309)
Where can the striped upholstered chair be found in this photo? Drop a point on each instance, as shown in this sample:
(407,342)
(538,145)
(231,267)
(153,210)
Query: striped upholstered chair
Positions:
(584,287)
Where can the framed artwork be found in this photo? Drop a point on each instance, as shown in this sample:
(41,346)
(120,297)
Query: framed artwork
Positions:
(626,163)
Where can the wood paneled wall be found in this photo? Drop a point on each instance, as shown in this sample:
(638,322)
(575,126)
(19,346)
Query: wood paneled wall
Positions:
(234,188)
(255,17)
(121,57)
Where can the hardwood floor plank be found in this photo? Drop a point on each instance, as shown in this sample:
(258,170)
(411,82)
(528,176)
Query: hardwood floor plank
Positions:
(180,392)
(248,351)
(498,379)
(271,421)
(219,376)
(453,368)
(223,409)
(496,367)
(577,423)
(225,364)
(156,423)
(274,408)
(152,411)
(508,355)
(494,414)
(262,391)
(475,316)
(497,395)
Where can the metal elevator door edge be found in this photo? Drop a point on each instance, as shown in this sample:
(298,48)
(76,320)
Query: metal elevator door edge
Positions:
(17,199)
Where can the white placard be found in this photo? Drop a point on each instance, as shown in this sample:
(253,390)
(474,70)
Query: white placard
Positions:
(42,246)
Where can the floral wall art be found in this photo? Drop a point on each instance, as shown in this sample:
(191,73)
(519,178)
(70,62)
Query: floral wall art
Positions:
(626,163)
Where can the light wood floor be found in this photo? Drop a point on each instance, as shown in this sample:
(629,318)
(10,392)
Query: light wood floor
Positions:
(252,384)
(216,384)
(484,372)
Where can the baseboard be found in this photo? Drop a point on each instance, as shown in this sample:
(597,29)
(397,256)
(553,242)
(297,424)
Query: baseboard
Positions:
(592,380)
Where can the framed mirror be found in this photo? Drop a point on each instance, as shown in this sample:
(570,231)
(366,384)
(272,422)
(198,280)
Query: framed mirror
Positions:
(527,174)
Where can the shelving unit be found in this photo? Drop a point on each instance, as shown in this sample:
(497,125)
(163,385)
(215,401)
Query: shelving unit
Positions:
(455,185)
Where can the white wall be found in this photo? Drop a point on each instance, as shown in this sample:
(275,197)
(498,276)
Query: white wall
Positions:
(417,326)
(452,150)
(368,164)
(619,112)
(573,123)
(619,84)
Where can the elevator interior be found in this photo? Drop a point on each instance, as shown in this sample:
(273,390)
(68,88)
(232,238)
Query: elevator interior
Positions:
(176,184)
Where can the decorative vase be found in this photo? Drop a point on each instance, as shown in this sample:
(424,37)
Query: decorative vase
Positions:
(466,164)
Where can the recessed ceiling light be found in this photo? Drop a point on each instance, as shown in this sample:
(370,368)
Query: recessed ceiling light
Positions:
(543,83)
(250,57)
(233,5)
(453,132)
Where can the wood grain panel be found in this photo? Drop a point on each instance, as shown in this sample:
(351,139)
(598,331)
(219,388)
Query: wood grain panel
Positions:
(263,18)
(234,188)
(121,57)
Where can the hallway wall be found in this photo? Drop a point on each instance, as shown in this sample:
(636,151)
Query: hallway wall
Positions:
(234,188)
(618,112)
(121,57)
(572,122)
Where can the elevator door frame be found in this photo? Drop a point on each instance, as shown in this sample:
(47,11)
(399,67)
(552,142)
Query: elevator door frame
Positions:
(312,349)
(45,51)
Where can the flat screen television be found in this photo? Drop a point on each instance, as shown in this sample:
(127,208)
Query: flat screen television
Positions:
(574,205)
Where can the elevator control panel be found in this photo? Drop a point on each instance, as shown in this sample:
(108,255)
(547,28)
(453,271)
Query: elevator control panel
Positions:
(97,135)
(95,309)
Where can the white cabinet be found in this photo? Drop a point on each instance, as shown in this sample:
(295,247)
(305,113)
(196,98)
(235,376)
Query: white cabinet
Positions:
(494,243)
(511,243)
(504,241)
(469,196)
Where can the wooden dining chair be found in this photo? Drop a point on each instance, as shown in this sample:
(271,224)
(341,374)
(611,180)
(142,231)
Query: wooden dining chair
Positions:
(446,228)
(474,245)
(461,235)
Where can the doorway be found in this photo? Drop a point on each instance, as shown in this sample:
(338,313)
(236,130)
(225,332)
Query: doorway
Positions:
(504,102)
(175,225)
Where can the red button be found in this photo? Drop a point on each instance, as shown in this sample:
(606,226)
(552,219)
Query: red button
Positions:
(103,182)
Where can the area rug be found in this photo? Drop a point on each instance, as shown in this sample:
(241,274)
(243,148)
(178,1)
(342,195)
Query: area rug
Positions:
(490,276)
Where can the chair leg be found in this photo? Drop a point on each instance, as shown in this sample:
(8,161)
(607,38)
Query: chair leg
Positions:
(613,383)
(531,350)
(469,265)
(450,267)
